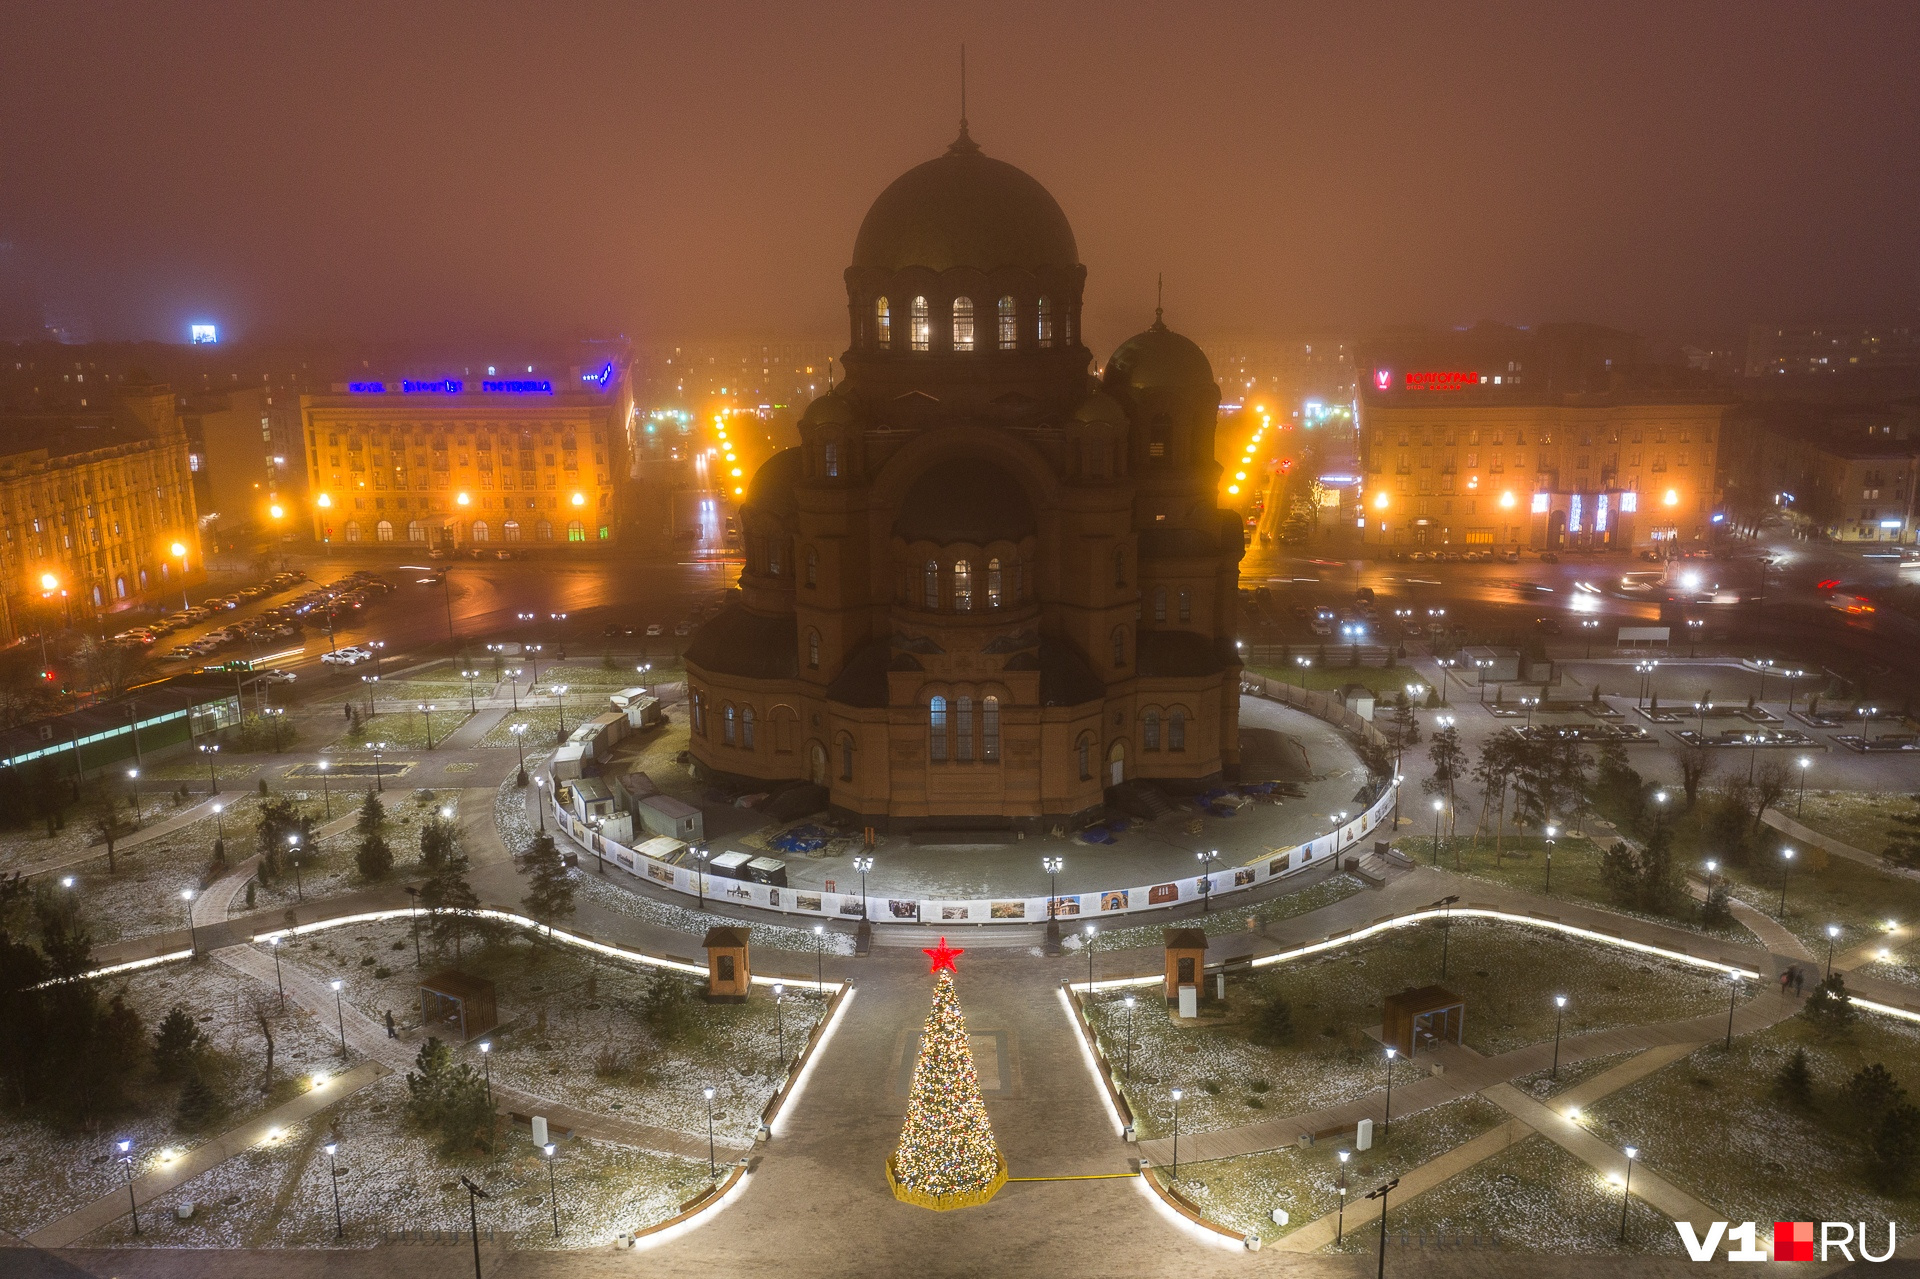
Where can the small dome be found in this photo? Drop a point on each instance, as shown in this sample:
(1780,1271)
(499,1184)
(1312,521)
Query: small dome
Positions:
(1100,407)
(829,409)
(1158,358)
(771,489)
(965,501)
(964,209)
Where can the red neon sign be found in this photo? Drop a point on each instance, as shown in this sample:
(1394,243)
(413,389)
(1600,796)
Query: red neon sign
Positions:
(1383,379)
(1443,380)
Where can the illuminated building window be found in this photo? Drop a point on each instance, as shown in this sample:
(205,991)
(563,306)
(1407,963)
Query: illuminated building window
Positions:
(920,328)
(813,650)
(1177,730)
(963,324)
(832,452)
(882,324)
(963,586)
(1009,324)
(746,727)
(993,583)
(1043,322)
(813,567)
(1541,502)
(511,530)
(576,531)
(1186,606)
(846,758)
(726,724)
(932,583)
(383,531)
(937,730)
(1083,750)
(1629,502)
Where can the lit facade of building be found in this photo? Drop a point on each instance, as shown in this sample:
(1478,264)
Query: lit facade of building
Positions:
(1491,466)
(93,501)
(986,587)
(535,457)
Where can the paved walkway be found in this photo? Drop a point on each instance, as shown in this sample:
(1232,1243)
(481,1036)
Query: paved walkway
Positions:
(147,1187)
(1808,835)
(126,843)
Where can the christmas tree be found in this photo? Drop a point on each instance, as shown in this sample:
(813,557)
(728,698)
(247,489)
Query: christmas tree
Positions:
(946,1157)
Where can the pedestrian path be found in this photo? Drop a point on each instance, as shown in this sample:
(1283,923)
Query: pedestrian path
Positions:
(215,902)
(1808,835)
(127,843)
(210,1154)
(1317,1234)
(477,726)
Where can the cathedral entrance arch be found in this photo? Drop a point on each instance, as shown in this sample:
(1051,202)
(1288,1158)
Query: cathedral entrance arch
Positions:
(816,763)
(1117,764)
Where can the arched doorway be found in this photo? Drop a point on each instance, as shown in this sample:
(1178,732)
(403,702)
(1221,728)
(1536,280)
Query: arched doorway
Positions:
(816,763)
(1557,530)
(1117,763)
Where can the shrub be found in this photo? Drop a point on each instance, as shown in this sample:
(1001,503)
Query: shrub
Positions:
(1272,1017)
(199,1106)
(1829,1007)
(1794,1082)
(176,1044)
(1870,1093)
(1894,1151)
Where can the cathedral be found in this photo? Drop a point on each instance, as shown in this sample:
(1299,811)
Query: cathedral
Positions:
(989,588)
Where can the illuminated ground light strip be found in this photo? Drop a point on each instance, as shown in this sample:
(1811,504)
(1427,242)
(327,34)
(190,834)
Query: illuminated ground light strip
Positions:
(806,1071)
(698,1219)
(1233,1243)
(1093,1067)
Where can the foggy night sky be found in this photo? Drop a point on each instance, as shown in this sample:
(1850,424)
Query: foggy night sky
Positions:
(700,169)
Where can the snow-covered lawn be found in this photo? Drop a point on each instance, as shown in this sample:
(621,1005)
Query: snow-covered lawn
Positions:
(391,1178)
(329,870)
(1507,974)
(572,1026)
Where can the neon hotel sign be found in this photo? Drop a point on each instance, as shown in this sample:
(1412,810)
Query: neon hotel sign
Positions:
(1440,380)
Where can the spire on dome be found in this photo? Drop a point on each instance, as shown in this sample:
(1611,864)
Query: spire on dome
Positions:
(963,145)
(1159,297)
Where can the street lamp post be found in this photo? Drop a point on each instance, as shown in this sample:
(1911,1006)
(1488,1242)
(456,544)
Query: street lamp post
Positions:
(193,933)
(273,944)
(819,959)
(134,775)
(779,1023)
(427,710)
(213,774)
(713,1168)
(1626,1190)
(1559,1011)
(700,877)
(1387,1126)
(1176,1134)
(540,798)
(1733,993)
(1786,868)
(1130,1005)
(293,855)
(1090,931)
(553,1188)
(560,697)
(863,864)
(1446,929)
(486,1066)
(1800,805)
(1833,935)
(333,1175)
(1053,865)
(1340,1223)
(1206,878)
(1438,805)
(133,1205)
(1551,832)
(474,1195)
(379,781)
(473,706)
(326,793)
(340,1013)
(1381,1195)
(519,732)
(219,821)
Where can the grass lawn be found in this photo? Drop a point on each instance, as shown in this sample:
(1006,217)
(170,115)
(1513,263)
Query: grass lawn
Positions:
(1853,817)
(1242,1192)
(1531,1197)
(1507,974)
(1712,1124)
(327,869)
(543,723)
(399,725)
(1522,864)
(1823,890)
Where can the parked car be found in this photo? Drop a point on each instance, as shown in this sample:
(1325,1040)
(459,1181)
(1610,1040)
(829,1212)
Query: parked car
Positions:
(277,676)
(346,657)
(654,628)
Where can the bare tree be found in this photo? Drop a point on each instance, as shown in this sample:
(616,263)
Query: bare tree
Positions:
(262,1018)
(1696,765)
(1769,784)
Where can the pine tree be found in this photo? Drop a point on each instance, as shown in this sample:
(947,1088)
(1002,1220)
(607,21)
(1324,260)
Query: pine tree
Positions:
(1794,1083)
(1829,1007)
(373,857)
(176,1043)
(199,1105)
(550,895)
(1894,1151)
(447,896)
(946,1157)
(439,841)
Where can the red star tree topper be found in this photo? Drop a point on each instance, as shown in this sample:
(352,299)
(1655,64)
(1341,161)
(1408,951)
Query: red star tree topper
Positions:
(943,956)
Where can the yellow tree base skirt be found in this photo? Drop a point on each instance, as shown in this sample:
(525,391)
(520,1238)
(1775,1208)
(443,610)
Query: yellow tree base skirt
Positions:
(947,1203)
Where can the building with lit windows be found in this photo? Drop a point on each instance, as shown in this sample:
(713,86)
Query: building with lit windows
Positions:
(96,508)
(987,588)
(493,457)
(1547,440)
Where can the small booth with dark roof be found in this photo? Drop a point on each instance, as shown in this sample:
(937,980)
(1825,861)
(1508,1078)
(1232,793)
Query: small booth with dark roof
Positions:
(1425,1013)
(457,1005)
(729,980)
(1186,960)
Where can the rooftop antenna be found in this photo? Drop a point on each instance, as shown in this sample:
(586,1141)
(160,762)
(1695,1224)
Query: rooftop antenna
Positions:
(1159,296)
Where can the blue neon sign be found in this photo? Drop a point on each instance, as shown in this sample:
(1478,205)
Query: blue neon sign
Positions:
(538,386)
(367,388)
(444,386)
(600,378)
